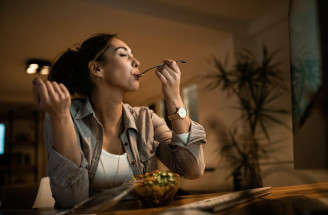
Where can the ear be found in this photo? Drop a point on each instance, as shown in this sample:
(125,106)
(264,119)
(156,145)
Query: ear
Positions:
(95,69)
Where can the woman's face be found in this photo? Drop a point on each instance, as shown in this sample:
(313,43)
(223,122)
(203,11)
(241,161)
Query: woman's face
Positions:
(120,69)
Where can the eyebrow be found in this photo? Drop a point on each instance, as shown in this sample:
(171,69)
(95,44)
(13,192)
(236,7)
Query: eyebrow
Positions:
(122,47)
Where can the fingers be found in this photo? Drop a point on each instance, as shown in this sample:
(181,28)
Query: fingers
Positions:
(161,77)
(170,75)
(43,91)
(58,93)
(167,74)
(39,90)
(52,97)
(173,65)
(65,90)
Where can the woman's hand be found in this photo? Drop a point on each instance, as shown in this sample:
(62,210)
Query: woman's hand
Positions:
(169,74)
(55,99)
(52,98)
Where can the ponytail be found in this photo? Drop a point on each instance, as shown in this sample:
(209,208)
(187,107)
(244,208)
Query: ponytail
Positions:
(71,68)
(64,70)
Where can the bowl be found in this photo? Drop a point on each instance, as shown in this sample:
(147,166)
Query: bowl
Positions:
(157,187)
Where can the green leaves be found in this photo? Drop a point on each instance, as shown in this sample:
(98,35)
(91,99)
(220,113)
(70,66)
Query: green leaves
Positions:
(258,87)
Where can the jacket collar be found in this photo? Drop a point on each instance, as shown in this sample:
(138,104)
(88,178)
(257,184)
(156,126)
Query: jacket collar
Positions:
(129,120)
(85,109)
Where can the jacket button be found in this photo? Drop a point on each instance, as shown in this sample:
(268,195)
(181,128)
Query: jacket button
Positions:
(125,144)
(133,163)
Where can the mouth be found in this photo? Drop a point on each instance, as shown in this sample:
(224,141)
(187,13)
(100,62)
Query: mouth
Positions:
(136,75)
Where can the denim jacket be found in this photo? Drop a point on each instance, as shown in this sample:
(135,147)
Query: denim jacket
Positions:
(145,138)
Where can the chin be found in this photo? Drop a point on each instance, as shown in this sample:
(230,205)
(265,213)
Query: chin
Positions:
(133,89)
(136,88)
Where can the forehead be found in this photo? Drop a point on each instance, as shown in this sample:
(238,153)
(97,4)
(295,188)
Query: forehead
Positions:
(115,43)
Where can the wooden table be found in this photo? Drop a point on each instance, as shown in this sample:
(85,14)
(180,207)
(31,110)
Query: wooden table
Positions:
(282,200)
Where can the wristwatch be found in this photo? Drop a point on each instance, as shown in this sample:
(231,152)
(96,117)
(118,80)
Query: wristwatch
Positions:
(181,113)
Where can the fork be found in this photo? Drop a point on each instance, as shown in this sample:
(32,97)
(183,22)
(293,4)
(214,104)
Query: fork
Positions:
(141,74)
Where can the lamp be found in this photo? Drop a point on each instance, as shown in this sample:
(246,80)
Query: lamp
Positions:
(37,66)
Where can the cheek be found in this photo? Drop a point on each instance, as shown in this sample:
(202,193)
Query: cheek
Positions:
(115,72)
(120,70)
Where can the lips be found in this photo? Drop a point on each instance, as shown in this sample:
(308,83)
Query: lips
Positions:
(136,75)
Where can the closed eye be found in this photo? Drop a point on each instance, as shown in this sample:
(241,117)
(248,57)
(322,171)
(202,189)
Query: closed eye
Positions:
(123,55)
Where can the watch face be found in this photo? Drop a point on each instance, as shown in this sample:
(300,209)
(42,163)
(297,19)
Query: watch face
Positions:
(182,112)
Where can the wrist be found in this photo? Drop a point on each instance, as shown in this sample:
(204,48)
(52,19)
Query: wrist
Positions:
(173,104)
(60,117)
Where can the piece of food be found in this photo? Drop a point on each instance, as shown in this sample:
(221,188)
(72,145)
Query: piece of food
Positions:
(157,187)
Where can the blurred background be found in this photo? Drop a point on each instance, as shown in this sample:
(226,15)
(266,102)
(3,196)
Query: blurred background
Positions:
(195,31)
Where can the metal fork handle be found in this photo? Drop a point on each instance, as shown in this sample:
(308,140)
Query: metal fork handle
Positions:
(141,74)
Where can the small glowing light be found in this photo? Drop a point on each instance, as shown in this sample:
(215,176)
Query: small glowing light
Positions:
(31,70)
(38,66)
(33,66)
(44,70)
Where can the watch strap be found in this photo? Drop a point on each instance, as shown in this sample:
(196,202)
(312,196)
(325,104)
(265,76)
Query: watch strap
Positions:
(173,116)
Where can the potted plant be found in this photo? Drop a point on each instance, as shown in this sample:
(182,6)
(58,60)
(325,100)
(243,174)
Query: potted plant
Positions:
(257,86)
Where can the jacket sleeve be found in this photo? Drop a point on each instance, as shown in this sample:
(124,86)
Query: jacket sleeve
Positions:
(187,159)
(69,183)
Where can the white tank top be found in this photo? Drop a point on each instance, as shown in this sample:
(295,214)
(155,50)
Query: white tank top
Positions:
(106,177)
(107,167)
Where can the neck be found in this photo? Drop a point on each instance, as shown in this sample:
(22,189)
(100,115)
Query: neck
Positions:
(108,107)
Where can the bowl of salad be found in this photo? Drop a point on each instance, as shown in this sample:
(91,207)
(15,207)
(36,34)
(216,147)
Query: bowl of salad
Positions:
(157,187)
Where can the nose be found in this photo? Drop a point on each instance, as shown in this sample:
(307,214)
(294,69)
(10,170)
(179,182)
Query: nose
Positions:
(135,63)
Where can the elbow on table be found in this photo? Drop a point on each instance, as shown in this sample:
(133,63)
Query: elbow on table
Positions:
(68,196)
(196,172)
(67,202)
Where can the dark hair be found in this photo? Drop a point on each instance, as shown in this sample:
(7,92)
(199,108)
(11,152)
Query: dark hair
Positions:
(71,68)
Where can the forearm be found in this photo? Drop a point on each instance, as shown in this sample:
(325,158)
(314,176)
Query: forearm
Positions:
(179,126)
(64,137)
(185,158)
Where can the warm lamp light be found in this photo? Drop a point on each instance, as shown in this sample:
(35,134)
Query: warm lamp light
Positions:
(45,70)
(36,66)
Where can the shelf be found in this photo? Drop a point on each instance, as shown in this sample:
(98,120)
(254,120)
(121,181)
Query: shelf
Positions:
(21,159)
(21,143)
(15,168)
(20,117)
(25,168)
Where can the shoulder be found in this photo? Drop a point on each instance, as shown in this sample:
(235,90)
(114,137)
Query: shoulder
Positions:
(143,115)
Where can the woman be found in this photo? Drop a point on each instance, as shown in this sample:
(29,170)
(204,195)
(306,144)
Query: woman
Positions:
(97,142)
